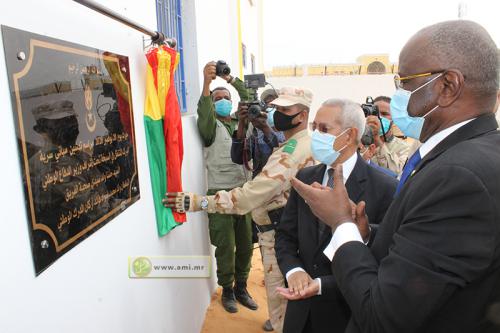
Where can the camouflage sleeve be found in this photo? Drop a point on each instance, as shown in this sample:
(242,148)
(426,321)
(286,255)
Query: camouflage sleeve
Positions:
(273,180)
(393,158)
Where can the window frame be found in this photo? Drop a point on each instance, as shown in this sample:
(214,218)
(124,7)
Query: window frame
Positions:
(169,22)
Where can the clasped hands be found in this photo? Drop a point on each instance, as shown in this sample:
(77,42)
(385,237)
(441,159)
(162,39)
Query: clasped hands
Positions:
(333,207)
(300,286)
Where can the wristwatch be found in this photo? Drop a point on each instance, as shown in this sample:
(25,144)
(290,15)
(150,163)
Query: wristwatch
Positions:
(204,203)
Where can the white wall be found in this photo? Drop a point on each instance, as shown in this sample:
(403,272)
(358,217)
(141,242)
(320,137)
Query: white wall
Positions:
(217,38)
(217,32)
(88,289)
(251,33)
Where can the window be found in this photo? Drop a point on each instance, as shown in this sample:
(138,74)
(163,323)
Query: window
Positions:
(169,17)
(252,63)
(244,55)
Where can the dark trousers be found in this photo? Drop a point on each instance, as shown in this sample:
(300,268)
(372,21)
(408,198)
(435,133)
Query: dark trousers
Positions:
(232,237)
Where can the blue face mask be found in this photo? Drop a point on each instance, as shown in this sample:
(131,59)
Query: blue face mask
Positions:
(270,116)
(322,147)
(410,126)
(223,107)
(386,124)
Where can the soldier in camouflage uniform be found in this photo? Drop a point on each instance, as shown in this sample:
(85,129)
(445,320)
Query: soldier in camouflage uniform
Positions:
(392,152)
(266,195)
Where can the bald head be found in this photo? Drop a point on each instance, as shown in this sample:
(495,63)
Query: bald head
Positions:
(460,63)
(462,45)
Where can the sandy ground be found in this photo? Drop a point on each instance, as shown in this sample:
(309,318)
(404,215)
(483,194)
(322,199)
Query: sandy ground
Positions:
(217,320)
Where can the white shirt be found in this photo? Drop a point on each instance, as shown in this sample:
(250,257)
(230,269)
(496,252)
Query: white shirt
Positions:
(348,232)
(347,168)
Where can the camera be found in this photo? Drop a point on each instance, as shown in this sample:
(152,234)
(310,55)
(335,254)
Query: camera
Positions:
(367,138)
(221,68)
(255,106)
(369,108)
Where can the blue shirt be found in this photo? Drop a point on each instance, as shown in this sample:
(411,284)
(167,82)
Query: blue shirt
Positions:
(257,148)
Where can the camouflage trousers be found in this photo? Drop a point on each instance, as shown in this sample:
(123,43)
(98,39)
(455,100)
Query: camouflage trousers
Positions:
(273,278)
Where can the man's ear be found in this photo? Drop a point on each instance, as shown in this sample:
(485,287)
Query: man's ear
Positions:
(304,116)
(352,136)
(451,87)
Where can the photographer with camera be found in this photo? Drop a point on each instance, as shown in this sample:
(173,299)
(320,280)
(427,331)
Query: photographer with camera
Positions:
(227,231)
(392,152)
(259,145)
(367,149)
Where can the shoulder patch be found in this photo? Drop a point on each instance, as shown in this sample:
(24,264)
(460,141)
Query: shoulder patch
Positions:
(290,146)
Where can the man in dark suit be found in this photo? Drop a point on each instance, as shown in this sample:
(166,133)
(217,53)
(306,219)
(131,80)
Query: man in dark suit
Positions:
(434,265)
(315,305)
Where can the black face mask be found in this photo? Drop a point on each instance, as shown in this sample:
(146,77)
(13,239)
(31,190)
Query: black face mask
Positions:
(282,122)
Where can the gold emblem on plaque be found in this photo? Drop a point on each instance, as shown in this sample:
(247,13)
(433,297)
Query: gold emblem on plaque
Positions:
(90,119)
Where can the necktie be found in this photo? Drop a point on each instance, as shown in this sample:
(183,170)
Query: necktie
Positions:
(323,228)
(408,169)
(330,178)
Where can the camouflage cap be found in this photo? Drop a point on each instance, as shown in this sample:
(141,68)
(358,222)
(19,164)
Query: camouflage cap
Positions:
(56,110)
(289,96)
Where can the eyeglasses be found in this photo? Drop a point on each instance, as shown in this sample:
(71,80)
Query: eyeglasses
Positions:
(398,80)
(320,127)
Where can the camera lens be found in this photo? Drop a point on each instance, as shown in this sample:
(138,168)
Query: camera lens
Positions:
(221,68)
(253,111)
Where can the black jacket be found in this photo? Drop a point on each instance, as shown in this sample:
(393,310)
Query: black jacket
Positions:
(434,265)
(297,245)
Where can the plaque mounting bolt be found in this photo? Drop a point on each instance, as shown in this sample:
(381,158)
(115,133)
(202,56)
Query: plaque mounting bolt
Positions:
(21,55)
(45,244)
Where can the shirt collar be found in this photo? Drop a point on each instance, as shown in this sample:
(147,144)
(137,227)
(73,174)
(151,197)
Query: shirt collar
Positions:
(434,140)
(347,167)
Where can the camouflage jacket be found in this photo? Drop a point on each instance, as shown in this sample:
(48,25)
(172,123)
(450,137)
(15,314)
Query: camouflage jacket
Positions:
(269,190)
(392,155)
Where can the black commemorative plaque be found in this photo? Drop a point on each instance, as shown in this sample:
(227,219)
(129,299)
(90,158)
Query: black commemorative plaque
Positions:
(72,107)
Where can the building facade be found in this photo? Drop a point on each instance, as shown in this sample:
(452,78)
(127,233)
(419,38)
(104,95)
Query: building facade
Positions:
(89,289)
(365,64)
